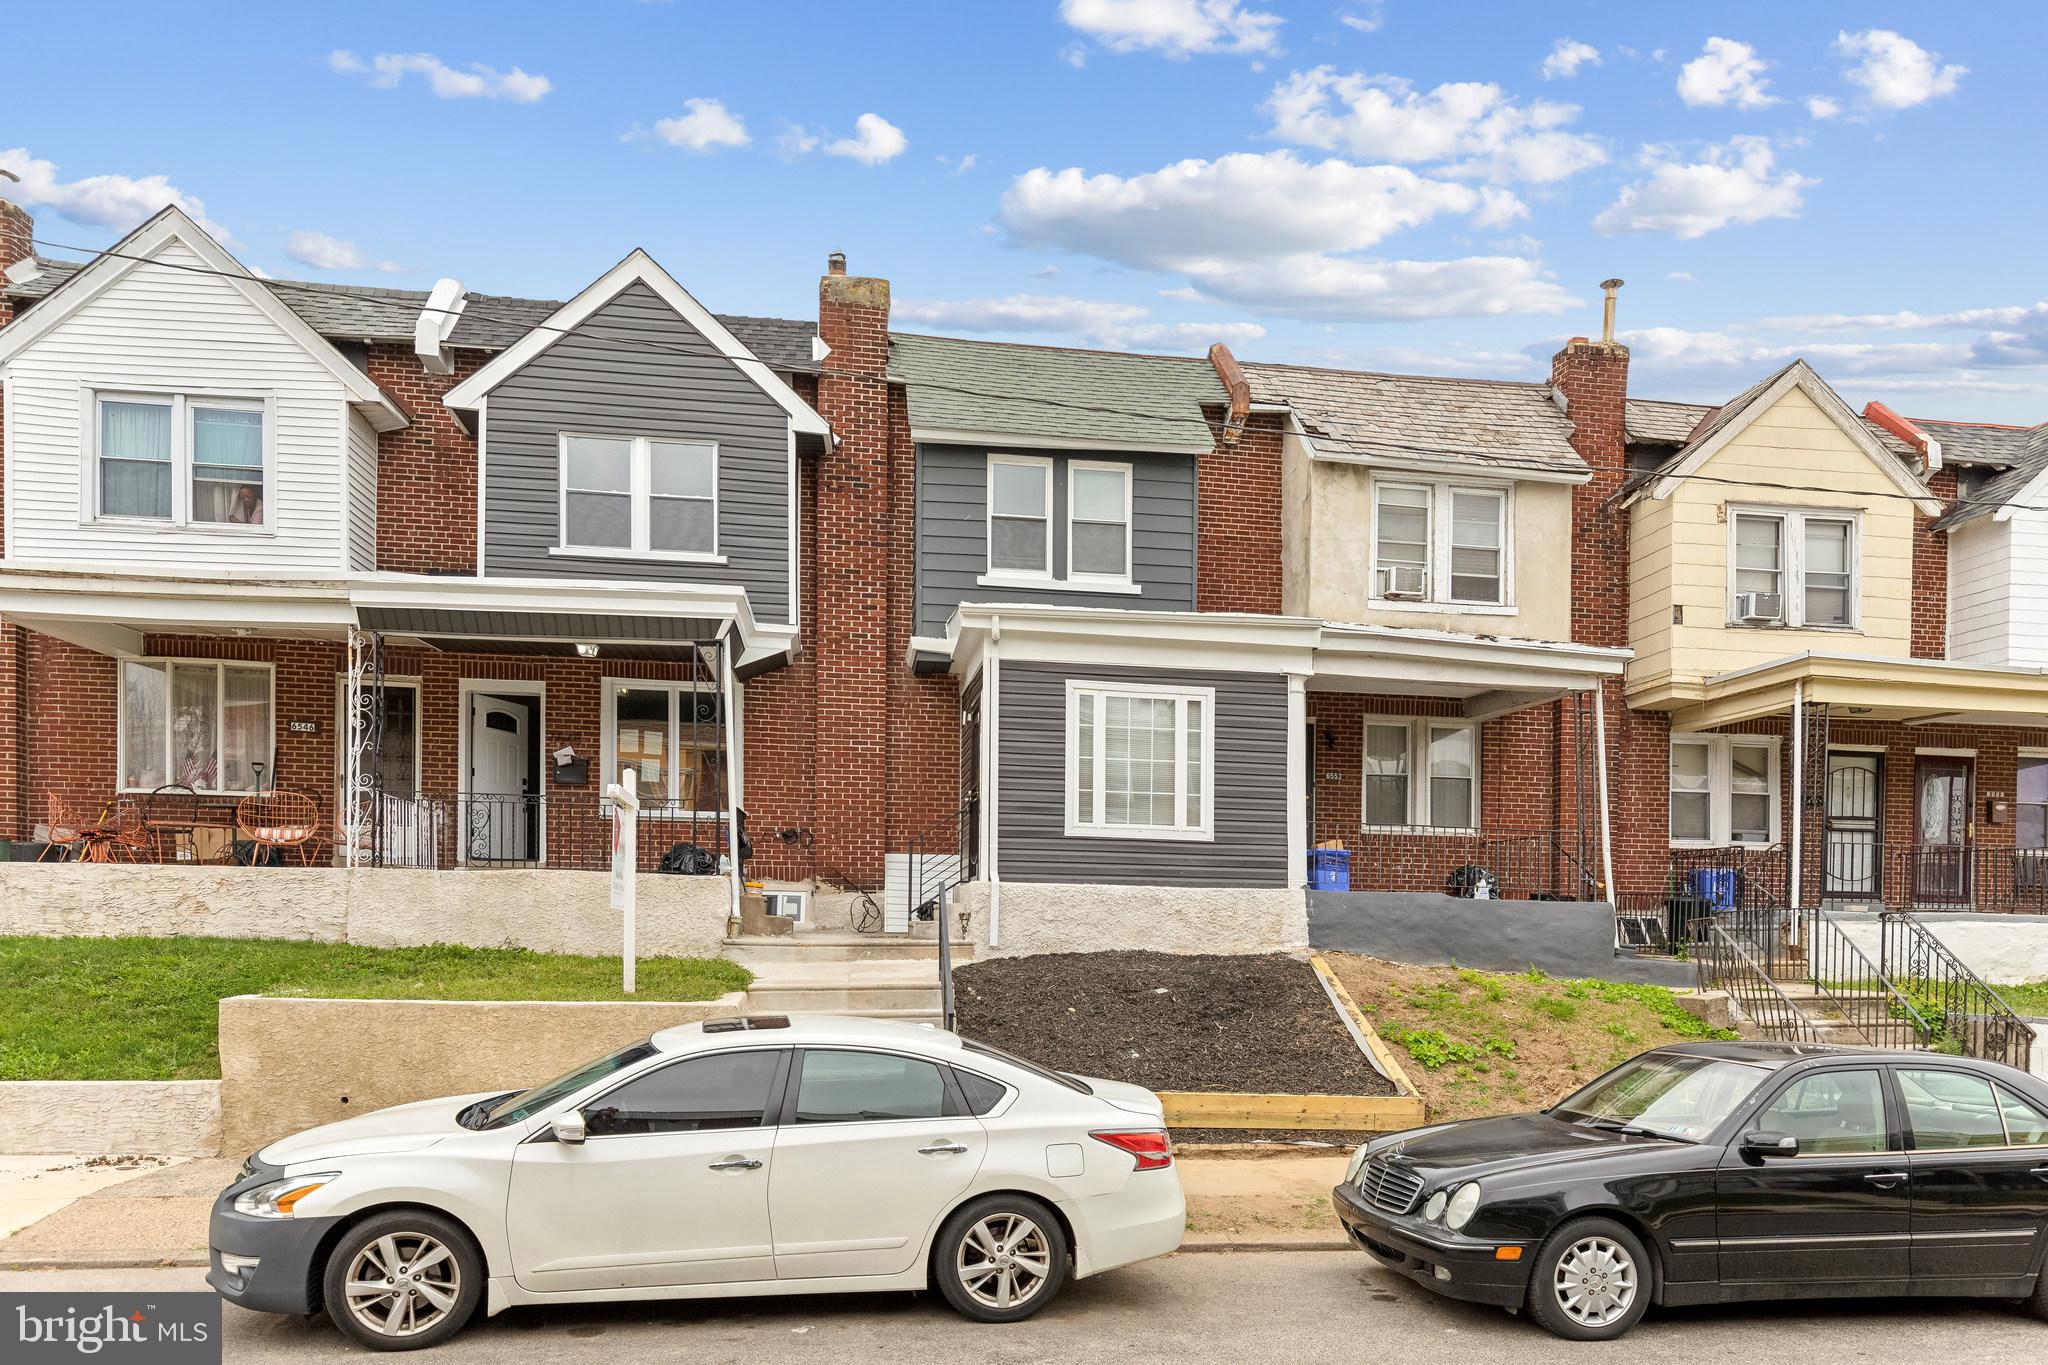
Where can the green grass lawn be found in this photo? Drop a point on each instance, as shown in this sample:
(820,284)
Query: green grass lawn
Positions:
(2030,999)
(146,1008)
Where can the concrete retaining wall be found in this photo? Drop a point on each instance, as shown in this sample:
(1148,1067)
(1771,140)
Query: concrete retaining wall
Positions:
(1564,938)
(111,1118)
(549,911)
(288,1064)
(2006,950)
(1044,917)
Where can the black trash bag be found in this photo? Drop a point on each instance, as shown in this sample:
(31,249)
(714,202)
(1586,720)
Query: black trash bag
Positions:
(689,860)
(1472,882)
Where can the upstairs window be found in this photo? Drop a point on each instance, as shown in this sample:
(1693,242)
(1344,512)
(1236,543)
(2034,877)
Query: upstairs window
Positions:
(1099,521)
(181,459)
(1792,568)
(636,495)
(1439,543)
(1060,522)
(1020,515)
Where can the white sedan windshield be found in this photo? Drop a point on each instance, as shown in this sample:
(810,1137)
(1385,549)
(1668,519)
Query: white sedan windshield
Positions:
(1665,1094)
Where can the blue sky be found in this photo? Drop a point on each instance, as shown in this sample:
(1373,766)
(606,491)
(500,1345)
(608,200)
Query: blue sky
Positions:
(1395,185)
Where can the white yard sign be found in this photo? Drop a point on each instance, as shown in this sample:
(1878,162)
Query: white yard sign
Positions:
(624,796)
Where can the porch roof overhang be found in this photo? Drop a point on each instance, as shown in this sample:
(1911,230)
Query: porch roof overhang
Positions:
(1491,674)
(1232,641)
(110,610)
(1909,691)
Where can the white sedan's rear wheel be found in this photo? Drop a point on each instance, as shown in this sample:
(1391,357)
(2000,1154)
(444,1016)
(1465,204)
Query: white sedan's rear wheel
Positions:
(1001,1258)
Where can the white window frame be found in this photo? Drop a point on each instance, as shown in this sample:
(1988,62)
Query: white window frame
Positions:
(1189,825)
(1721,789)
(1129,473)
(1418,728)
(1044,464)
(1792,564)
(640,465)
(181,402)
(1438,551)
(2026,754)
(220,684)
(608,738)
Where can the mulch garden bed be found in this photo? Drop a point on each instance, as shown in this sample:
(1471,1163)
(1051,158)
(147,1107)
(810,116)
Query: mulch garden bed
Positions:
(1252,1025)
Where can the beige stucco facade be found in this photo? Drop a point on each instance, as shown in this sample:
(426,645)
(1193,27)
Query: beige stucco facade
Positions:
(1680,550)
(1328,555)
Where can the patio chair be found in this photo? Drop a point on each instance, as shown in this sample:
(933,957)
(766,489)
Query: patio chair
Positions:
(65,830)
(171,814)
(124,835)
(279,820)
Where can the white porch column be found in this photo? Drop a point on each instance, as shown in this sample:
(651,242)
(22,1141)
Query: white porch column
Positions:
(1794,888)
(991,783)
(1298,759)
(733,739)
(1606,811)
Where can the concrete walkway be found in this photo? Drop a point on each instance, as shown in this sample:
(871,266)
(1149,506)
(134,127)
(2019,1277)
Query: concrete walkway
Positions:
(1245,1199)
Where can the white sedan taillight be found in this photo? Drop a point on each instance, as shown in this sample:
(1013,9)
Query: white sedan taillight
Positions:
(1149,1145)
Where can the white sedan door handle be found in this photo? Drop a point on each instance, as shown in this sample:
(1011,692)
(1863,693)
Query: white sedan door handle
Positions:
(736,1163)
(942,1149)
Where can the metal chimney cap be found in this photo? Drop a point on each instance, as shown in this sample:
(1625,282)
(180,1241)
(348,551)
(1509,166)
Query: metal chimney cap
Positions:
(1612,284)
(836,263)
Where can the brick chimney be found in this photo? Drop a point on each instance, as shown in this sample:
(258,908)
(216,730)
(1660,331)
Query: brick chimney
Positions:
(850,613)
(17,233)
(1592,379)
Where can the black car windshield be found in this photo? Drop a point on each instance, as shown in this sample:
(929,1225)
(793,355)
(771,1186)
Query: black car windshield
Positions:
(1664,1094)
(523,1106)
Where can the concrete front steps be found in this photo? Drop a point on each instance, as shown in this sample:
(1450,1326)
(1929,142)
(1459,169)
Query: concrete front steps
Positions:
(1826,1017)
(838,971)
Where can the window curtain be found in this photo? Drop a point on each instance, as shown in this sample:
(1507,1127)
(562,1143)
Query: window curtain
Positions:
(227,465)
(145,718)
(135,460)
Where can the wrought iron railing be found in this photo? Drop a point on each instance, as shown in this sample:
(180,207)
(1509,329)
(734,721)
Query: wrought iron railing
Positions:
(1513,864)
(1807,946)
(1725,962)
(942,856)
(1967,877)
(490,831)
(1731,877)
(1965,1013)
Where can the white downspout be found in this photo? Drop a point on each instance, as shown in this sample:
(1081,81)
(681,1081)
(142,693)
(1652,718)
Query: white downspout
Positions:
(1794,888)
(992,715)
(733,740)
(1600,777)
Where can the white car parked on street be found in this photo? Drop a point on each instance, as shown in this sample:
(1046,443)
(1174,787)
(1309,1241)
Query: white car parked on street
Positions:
(767,1155)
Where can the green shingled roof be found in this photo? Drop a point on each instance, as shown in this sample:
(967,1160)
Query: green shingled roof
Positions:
(1050,395)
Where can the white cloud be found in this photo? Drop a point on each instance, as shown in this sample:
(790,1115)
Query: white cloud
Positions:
(322,252)
(875,140)
(1213,222)
(1174,28)
(795,140)
(1363,18)
(1909,321)
(959,166)
(1823,106)
(1737,182)
(1567,55)
(1472,127)
(1725,72)
(478,81)
(705,125)
(1894,71)
(1682,277)
(118,202)
(1098,322)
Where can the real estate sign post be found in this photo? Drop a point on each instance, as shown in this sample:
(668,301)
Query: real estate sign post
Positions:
(624,796)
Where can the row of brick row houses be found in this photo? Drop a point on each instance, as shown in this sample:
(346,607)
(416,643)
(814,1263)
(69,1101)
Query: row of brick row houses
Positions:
(899,611)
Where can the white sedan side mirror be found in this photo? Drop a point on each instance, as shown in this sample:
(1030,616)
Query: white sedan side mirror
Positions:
(569,1127)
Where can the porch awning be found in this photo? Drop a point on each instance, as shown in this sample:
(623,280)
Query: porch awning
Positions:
(109,610)
(1491,674)
(1911,691)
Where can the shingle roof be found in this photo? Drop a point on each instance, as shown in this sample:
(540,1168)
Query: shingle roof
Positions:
(1978,443)
(1051,393)
(2029,459)
(1411,417)
(1656,421)
(489,322)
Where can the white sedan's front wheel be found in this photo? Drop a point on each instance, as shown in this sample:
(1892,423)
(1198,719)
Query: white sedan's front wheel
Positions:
(403,1280)
(1001,1258)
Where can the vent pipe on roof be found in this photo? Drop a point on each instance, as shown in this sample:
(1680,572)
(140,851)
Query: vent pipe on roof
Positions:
(436,323)
(1611,287)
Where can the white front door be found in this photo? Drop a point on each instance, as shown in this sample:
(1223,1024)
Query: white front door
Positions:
(498,821)
(866,1164)
(670,1187)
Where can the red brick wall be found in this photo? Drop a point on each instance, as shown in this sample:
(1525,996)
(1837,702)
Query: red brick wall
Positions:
(1238,542)
(1930,576)
(924,712)
(426,472)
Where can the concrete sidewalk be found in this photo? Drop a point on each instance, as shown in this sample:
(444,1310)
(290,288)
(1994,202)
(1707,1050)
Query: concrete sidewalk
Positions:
(99,1213)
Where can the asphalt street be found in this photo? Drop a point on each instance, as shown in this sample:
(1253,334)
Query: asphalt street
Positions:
(1239,1308)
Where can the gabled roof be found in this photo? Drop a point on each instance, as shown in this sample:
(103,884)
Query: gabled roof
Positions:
(637,268)
(1420,421)
(1721,425)
(1658,421)
(998,392)
(135,251)
(489,322)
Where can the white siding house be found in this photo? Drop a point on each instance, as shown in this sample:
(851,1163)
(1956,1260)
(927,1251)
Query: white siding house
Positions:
(165,411)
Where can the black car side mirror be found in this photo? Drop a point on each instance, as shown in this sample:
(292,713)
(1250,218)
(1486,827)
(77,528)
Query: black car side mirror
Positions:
(1764,1142)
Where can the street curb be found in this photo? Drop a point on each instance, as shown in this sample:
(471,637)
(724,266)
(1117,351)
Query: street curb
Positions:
(112,1261)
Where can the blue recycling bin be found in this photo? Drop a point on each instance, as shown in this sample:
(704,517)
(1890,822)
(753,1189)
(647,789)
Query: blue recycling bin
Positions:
(1329,869)
(1717,886)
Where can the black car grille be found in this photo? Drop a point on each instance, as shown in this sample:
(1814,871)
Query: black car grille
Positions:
(1389,1187)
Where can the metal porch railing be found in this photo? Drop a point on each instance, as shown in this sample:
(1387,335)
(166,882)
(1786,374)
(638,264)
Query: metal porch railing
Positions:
(1964,1011)
(1512,864)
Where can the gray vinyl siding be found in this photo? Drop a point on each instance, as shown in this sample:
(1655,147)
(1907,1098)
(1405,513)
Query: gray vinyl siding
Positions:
(668,382)
(952,534)
(1250,777)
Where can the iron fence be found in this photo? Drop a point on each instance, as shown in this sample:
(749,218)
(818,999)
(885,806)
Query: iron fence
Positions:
(1525,864)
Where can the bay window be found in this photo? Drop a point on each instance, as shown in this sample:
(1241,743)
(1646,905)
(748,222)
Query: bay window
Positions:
(639,495)
(1724,790)
(180,458)
(672,736)
(1139,760)
(207,726)
(1441,543)
(1444,752)
(1807,559)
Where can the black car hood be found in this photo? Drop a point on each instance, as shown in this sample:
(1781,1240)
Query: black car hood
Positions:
(1511,1142)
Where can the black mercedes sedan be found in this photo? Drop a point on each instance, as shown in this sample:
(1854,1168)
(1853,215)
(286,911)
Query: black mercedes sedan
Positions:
(1719,1172)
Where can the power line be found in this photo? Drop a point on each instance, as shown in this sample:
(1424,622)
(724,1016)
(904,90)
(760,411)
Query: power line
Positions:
(1495,462)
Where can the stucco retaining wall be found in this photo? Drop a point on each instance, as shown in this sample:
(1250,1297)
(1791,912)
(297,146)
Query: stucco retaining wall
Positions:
(1564,938)
(288,1064)
(1045,917)
(111,1118)
(550,911)
(2006,950)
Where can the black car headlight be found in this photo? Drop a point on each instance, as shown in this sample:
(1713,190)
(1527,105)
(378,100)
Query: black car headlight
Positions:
(1464,1202)
(1434,1209)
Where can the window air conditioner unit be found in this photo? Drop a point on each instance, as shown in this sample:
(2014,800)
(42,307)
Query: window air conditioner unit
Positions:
(1759,606)
(1403,581)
